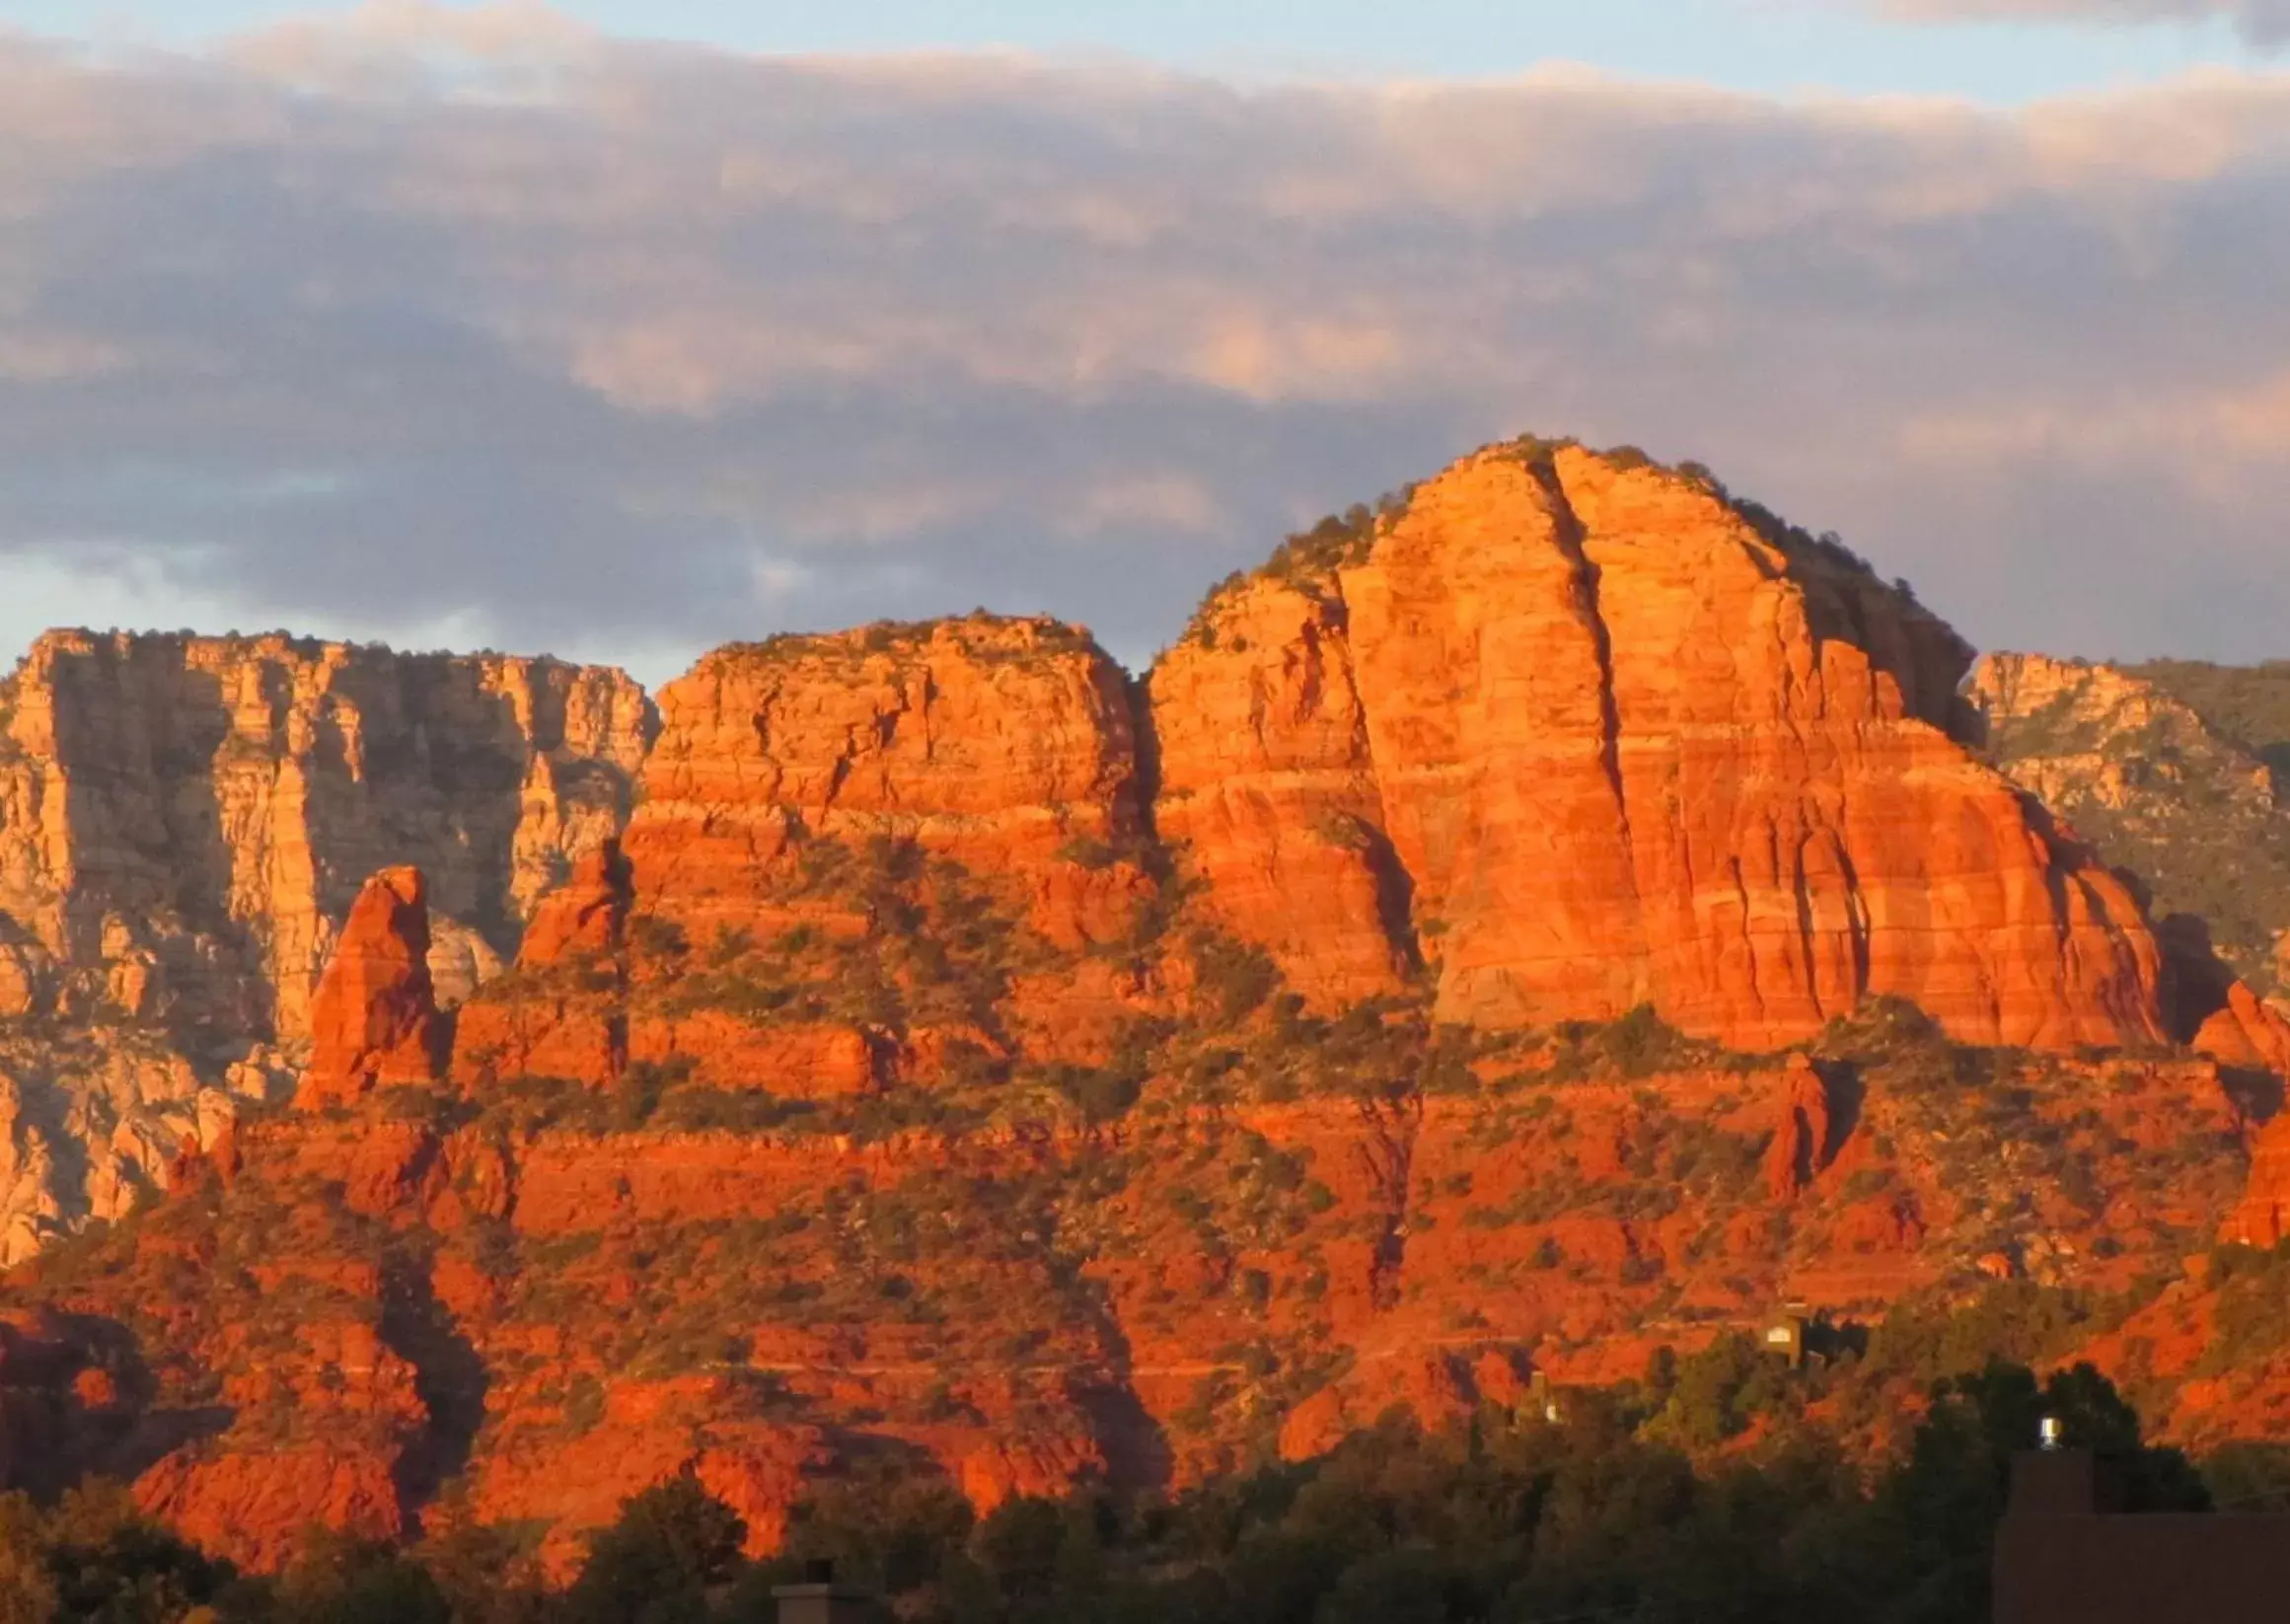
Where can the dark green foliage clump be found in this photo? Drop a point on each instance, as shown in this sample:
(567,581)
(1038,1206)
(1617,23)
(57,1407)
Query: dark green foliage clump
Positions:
(1335,542)
(1538,450)
(935,947)
(2015,1320)
(1639,1045)
(1236,976)
(1307,559)
(1715,1395)
(1506,1520)
(1101,1094)
(980,634)
(342,1580)
(672,1550)
(2253,1316)
(94,1556)
(1884,1028)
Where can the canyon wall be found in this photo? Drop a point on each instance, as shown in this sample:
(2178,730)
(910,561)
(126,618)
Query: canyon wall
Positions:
(184,825)
(1563,734)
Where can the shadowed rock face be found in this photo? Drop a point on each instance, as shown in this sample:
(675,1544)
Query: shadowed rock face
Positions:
(2160,787)
(184,823)
(1619,744)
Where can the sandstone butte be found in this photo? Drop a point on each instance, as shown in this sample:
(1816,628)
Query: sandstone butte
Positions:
(924,1043)
(1617,741)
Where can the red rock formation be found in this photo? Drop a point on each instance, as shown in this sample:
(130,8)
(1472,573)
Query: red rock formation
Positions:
(2249,1034)
(2160,789)
(317,764)
(1631,746)
(1004,744)
(375,1022)
(566,1017)
(1801,1142)
(879,1093)
(979,1295)
(2246,1032)
(2243,1033)
(588,914)
(184,823)
(810,1060)
(256,1508)
(2262,1218)
(1268,783)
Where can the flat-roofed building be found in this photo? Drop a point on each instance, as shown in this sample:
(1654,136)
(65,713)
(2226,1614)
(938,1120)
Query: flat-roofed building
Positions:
(2066,1555)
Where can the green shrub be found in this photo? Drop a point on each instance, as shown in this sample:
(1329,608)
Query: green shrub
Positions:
(1236,976)
(1101,1094)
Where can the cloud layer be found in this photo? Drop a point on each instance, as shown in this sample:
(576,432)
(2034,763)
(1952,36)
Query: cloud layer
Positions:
(476,324)
(2265,23)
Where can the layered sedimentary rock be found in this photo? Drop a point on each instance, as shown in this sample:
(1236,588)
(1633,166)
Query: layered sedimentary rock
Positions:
(193,816)
(563,1312)
(812,807)
(1267,781)
(92,1118)
(1005,745)
(184,825)
(1631,743)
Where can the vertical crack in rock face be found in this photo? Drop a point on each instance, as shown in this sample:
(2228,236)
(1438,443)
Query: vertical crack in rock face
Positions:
(1392,1121)
(1632,742)
(1567,534)
(449,1381)
(185,821)
(1557,735)
(1268,784)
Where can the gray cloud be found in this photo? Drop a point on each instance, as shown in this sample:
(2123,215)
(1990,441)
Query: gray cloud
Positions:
(2263,22)
(474,326)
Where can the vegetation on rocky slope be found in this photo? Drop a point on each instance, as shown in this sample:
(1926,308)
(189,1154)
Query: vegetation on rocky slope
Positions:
(2174,770)
(2247,704)
(1713,1489)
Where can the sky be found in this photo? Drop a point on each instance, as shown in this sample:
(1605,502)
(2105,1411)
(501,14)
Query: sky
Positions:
(617,331)
(2011,53)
